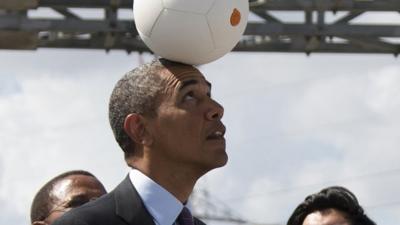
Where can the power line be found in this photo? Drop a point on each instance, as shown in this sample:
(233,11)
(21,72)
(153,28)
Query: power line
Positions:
(296,188)
(220,211)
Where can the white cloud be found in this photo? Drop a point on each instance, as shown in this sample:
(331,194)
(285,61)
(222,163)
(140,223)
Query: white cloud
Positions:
(300,131)
(53,123)
(384,93)
(9,214)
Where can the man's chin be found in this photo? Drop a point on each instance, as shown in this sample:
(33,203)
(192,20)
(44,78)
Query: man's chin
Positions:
(221,161)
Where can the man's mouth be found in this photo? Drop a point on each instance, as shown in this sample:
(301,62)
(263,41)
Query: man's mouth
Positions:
(217,135)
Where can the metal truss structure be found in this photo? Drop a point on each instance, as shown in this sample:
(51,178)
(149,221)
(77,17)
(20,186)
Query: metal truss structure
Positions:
(323,26)
(209,209)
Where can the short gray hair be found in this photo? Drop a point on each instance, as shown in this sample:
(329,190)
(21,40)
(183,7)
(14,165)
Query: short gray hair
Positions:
(136,92)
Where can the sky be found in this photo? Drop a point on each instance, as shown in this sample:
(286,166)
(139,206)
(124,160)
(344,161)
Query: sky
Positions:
(295,124)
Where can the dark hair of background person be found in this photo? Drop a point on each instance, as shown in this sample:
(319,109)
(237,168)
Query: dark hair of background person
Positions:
(334,197)
(136,92)
(43,202)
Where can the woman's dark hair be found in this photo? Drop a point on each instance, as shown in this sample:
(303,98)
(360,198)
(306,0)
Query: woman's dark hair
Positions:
(332,197)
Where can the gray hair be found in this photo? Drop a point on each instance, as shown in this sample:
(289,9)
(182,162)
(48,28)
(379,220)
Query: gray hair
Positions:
(136,92)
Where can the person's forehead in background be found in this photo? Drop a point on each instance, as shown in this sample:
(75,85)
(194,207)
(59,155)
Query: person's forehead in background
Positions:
(73,191)
(327,217)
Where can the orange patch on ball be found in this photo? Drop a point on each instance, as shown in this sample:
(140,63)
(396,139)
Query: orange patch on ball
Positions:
(235,17)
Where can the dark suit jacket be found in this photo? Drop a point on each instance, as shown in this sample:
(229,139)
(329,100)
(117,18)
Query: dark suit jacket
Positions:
(122,206)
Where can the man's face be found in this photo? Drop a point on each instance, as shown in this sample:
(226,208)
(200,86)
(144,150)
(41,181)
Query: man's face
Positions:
(71,192)
(187,130)
(326,217)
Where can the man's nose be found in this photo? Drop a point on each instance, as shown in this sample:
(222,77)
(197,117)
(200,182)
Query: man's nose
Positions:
(216,111)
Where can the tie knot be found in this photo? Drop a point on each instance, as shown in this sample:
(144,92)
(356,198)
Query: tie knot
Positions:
(185,218)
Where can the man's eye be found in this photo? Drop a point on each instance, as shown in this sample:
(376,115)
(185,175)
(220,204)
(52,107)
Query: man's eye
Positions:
(189,96)
(78,201)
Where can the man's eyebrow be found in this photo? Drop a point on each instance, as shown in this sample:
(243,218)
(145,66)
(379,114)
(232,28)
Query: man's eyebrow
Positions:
(81,198)
(192,82)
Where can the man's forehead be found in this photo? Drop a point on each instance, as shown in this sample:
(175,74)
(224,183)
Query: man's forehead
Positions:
(181,68)
(73,181)
(183,74)
(189,82)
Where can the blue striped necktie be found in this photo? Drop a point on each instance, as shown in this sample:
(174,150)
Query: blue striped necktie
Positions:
(185,218)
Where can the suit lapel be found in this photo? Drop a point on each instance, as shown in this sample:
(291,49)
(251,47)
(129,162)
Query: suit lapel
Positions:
(198,222)
(129,205)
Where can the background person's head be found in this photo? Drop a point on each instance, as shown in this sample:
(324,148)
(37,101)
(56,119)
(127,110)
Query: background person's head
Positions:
(167,106)
(62,193)
(332,205)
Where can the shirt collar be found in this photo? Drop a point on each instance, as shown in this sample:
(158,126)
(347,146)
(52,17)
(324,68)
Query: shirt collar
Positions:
(161,204)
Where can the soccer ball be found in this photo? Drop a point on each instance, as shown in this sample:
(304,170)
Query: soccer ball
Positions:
(191,31)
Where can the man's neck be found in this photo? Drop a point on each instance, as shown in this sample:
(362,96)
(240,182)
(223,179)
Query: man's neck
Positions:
(176,180)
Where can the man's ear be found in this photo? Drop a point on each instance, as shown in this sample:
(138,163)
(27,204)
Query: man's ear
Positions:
(135,127)
(39,223)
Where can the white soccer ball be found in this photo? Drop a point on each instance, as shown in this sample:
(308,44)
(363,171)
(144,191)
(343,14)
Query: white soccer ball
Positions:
(191,31)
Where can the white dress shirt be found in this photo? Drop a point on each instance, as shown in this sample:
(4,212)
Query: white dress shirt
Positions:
(162,205)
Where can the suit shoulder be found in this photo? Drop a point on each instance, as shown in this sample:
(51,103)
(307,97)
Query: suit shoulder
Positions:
(198,222)
(100,212)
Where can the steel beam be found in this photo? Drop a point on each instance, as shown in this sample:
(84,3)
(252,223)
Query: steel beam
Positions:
(130,44)
(272,34)
(326,30)
(127,4)
(322,48)
(127,26)
(268,17)
(279,5)
(350,16)
(65,25)
(66,13)
(120,43)
(329,5)
(18,4)
(375,44)
(18,40)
